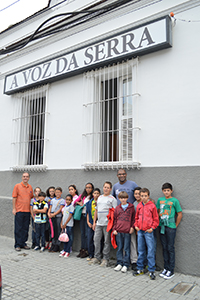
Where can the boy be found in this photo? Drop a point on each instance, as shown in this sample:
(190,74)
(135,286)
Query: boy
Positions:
(168,207)
(146,220)
(137,196)
(55,214)
(40,208)
(104,202)
(90,210)
(123,227)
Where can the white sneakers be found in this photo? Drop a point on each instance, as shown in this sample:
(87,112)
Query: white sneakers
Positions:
(120,268)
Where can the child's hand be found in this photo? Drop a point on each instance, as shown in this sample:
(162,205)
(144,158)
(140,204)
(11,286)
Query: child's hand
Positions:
(89,225)
(115,232)
(137,228)
(131,230)
(149,230)
(94,226)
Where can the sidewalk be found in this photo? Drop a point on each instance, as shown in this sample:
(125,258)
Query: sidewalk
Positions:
(30,275)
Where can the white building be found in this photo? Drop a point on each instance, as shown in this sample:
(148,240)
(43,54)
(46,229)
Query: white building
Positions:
(104,85)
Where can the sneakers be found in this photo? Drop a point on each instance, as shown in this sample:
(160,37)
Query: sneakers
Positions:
(134,266)
(94,261)
(104,263)
(62,253)
(50,244)
(124,269)
(118,268)
(164,272)
(138,272)
(152,275)
(66,255)
(42,249)
(168,275)
(47,245)
(36,248)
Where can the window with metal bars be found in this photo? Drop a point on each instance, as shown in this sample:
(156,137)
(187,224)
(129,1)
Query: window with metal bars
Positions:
(29,129)
(110,112)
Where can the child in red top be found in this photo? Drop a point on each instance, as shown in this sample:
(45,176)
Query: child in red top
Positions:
(146,220)
(123,227)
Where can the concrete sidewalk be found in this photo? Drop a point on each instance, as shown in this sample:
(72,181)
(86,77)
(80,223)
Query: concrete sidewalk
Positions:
(34,275)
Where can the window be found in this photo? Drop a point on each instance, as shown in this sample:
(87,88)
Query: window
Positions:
(29,129)
(110,137)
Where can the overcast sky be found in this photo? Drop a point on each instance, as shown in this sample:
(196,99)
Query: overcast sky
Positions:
(13,11)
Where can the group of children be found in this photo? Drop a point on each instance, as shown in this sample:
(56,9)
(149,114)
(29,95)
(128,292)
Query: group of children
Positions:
(102,220)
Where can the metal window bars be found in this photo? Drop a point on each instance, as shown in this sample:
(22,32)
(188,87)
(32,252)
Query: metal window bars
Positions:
(110,108)
(29,129)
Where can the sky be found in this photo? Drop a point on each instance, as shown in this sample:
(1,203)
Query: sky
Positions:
(13,11)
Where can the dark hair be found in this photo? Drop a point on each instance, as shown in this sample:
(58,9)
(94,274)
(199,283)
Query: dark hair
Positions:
(167,185)
(37,187)
(108,182)
(73,185)
(123,194)
(138,188)
(58,189)
(42,194)
(145,190)
(84,193)
(47,191)
(97,190)
(26,173)
(69,195)
(121,169)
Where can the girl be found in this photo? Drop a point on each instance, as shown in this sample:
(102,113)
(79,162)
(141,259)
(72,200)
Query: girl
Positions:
(37,190)
(68,223)
(73,191)
(49,234)
(82,200)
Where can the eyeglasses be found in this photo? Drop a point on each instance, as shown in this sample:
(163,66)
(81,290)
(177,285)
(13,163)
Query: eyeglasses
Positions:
(123,174)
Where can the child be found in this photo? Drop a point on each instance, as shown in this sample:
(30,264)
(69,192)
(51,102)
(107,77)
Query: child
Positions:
(123,227)
(73,191)
(90,210)
(49,226)
(100,222)
(82,200)
(68,223)
(55,214)
(137,196)
(37,190)
(146,220)
(40,208)
(168,207)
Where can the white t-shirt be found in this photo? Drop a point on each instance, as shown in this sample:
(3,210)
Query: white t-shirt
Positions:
(103,205)
(67,210)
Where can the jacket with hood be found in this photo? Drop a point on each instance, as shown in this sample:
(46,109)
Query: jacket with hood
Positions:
(146,216)
(124,220)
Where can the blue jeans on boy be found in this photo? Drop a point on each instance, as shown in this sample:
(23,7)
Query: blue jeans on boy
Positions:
(123,245)
(167,240)
(146,239)
(40,233)
(22,220)
(90,238)
(83,228)
(67,246)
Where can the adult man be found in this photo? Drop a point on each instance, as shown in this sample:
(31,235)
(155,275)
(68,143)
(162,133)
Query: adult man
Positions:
(22,194)
(127,186)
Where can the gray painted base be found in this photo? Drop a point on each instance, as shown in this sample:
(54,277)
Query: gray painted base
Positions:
(185,181)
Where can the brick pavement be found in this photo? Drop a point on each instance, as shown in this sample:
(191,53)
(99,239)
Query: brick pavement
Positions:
(34,275)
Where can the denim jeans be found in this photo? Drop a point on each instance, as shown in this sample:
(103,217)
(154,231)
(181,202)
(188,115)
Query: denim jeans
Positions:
(146,239)
(40,233)
(83,228)
(90,238)
(123,246)
(167,240)
(57,229)
(67,246)
(22,220)
(155,246)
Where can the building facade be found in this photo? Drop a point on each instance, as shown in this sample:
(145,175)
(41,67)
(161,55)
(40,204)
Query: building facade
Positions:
(88,87)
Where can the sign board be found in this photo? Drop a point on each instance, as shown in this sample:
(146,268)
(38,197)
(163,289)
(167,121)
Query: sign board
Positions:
(138,41)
